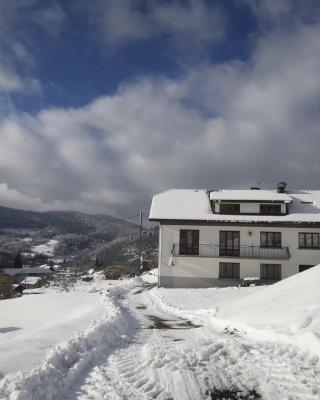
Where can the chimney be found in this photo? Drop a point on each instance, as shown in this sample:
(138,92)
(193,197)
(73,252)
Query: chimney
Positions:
(281,187)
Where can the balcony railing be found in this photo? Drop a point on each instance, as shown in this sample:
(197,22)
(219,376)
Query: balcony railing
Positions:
(214,251)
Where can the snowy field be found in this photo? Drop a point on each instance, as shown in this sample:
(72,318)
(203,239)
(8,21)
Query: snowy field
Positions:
(131,340)
(46,248)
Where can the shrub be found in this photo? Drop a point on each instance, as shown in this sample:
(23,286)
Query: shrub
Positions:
(113,272)
(87,279)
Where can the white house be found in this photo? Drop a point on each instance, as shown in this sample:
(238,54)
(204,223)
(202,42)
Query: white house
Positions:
(216,237)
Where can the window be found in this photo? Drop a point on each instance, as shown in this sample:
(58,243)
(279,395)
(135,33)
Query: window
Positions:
(189,242)
(308,240)
(270,272)
(270,239)
(229,243)
(304,267)
(270,209)
(229,208)
(229,270)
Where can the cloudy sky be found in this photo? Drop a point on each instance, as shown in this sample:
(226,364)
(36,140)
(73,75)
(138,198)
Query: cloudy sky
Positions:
(105,102)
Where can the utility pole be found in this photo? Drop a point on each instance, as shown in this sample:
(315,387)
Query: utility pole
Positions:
(140,238)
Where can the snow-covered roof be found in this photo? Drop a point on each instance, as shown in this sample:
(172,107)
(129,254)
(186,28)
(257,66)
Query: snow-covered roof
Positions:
(31,280)
(189,204)
(26,271)
(250,195)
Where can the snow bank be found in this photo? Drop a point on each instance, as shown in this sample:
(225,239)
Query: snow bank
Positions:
(289,306)
(31,324)
(63,365)
(150,276)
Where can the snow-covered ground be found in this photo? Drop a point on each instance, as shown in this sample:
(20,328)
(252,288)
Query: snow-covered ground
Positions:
(148,343)
(35,322)
(46,248)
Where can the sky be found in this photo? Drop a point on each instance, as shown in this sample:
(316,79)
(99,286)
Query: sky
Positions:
(104,103)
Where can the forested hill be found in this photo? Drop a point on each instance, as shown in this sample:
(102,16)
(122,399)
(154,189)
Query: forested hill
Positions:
(60,222)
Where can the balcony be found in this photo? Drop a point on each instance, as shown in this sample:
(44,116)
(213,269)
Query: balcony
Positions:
(253,252)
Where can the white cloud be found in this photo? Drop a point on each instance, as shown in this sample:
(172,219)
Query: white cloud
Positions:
(16,53)
(124,21)
(220,125)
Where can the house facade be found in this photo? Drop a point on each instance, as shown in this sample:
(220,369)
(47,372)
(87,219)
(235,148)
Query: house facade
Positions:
(218,237)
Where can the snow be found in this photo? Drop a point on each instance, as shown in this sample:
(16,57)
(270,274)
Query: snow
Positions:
(288,306)
(27,271)
(31,324)
(251,195)
(148,342)
(31,280)
(188,204)
(46,248)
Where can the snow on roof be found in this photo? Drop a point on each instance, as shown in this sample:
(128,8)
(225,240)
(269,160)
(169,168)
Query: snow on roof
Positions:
(250,195)
(31,280)
(189,204)
(26,271)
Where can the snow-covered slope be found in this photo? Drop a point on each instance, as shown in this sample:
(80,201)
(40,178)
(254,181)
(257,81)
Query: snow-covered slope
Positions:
(290,305)
(63,364)
(33,323)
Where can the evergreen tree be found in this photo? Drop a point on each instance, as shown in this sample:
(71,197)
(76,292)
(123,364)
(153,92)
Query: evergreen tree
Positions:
(6,289)
(18,260)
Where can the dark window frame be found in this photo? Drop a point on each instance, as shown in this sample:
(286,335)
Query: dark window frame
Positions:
(189,242)
(229,270)
(229,243)
(270,272)
(270,209)
(303,240)
(270,241)
(230,208)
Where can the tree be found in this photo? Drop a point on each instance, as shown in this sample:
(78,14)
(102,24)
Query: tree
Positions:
(18,260)
(6,289)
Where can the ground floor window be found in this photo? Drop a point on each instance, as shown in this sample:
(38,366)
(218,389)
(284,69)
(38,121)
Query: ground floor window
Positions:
(229,270)
(304,267)
(270,272)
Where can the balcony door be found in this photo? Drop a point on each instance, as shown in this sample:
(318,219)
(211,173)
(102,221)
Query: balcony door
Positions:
(229,243)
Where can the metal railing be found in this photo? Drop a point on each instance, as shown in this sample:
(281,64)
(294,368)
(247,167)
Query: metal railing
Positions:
(214,251)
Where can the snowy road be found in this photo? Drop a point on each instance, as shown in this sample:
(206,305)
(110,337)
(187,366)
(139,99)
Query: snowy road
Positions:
(168,357)
(145,349)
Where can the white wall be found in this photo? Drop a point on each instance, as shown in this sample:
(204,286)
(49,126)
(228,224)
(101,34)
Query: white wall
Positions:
(208,268)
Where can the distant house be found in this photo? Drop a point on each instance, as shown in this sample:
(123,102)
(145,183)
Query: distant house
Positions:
(19,274)
(217,237)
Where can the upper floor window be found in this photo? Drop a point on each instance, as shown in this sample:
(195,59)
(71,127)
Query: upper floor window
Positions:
(270,209)
(309,240)
(270,239)
(230,208)
(189,242)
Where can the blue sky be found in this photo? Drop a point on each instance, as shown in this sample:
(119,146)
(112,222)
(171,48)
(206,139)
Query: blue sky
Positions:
(74,64)
(106,102)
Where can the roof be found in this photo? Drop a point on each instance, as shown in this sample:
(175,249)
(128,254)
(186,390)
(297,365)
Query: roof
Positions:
(194,205)
(250,195)
(26,271)
(31,280)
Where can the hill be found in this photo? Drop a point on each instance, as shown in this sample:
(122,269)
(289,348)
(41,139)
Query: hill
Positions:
(83,238)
